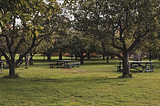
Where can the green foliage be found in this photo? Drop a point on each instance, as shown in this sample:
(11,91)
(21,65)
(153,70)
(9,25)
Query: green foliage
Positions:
(151,44)
(77,42)
(37,22)
(118,24)
(119,21)
(82,43)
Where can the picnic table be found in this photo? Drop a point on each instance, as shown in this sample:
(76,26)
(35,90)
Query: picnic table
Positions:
(68,63)
(145,65)
(65,64)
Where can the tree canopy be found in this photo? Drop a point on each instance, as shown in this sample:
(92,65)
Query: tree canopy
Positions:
(124,23)
(37,21)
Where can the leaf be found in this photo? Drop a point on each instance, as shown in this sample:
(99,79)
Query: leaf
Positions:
(36,33)
(1,23)
(41,28)
(0,30)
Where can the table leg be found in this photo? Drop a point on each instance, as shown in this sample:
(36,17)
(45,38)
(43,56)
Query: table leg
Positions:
(151,67)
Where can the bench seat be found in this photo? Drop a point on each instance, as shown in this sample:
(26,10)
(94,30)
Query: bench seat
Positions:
(70,65)
(53,64)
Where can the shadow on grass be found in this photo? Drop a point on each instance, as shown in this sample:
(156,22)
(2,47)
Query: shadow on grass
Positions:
(86,62)
(61,80)
(77,80)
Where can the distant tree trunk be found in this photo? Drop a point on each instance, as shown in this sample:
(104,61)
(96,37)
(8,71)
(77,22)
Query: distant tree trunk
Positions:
(150,57)
(48,57)
(158,57)
(103,57)
(88,56)
(60,55)
(76,56)
(27,61)
(112,56)
(82,58)
(107,59)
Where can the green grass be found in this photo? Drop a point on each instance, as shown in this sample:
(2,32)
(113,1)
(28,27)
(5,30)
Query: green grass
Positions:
(93,84)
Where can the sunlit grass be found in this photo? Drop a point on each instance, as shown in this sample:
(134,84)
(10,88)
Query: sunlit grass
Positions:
(93,84)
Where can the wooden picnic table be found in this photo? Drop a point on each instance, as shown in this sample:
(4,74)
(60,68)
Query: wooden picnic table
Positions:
(67,63)
(145,65)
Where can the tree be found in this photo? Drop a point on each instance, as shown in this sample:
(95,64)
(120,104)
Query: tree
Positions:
(124,23)
(81,44)
(37,21)
(150,45)
(55,42)
(61,45)
(46,46)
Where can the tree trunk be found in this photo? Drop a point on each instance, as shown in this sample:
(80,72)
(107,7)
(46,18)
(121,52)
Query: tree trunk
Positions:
(126,66)
(27,61)
(88,56)
(76,57)
(107,59)
(60,55)
(150,57)
(81,58)
(12,71)
(12,66)
(112,56)
(103,57)
(48,57)
(31,58)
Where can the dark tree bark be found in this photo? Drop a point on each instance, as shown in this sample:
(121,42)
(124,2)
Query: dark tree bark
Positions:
(88,56)
(27,61)
(126,65)
(60,55)
(76,57)
(48,57)
(12,71)
(107,59)
(103,57)
(150,56)
(12,67)
(31,58)
(82,58)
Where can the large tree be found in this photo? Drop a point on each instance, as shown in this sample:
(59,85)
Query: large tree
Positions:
(124,23)
(37,20)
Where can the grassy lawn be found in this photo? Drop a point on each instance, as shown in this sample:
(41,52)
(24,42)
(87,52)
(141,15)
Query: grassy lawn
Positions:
(93,84)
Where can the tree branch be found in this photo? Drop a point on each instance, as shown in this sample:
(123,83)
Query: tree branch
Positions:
(18,45)
(110,52)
